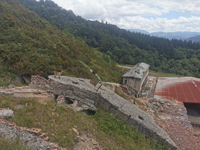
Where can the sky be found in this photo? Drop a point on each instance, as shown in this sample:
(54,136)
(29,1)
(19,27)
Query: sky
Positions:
(149,15)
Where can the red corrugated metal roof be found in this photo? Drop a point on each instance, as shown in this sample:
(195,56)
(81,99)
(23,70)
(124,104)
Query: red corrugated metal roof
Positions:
(184,89)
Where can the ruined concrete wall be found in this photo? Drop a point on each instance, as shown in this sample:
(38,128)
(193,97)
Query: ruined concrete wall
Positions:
(111,86)
(115,87)
(138,85)
(133,85)
(144,76)
(143,80)
(131,114)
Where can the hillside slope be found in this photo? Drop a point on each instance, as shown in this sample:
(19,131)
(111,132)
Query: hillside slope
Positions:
(194,38)
(171,56)
(29,44)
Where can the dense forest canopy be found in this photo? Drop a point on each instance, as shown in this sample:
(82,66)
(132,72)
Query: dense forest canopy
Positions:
(29,44)
(171,56)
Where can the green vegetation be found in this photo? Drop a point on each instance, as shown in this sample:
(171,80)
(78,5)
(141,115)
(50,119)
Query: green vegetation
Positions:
(163,55)
(29,44)
(58,121)
(162,74)
(11,145)
(3,82)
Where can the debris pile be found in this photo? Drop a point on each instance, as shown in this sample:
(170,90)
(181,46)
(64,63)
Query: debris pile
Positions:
(33,137)
(172,116)
(60,100)
(157,105)
(41,82)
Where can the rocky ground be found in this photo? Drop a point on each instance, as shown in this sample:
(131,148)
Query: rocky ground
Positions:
(24,135)
(35,139)
(172,116)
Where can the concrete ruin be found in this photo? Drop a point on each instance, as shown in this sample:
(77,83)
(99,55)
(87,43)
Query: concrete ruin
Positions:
(80,95)
(66,90)
(135,78)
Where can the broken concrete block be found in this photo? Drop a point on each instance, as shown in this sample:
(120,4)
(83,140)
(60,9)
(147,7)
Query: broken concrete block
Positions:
(44,136)
(35,130)
(6,113)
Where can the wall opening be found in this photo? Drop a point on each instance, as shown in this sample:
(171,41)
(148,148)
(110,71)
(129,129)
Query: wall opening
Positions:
(193,112)
(89,112)
(141,118)
(55,97)
(125,82)
(68,101)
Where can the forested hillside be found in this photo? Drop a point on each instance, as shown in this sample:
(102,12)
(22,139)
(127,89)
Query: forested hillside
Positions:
(29,44)
(171,56)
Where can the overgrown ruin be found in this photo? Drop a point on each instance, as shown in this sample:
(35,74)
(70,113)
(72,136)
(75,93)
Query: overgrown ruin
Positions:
(158,119)
(82,91)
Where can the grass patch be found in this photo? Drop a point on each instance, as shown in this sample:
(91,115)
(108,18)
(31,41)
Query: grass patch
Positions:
(123,134)
(58,121)
(138,102)
(162,74)
(11,145)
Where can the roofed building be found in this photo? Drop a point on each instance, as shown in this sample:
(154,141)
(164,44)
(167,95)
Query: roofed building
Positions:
(135,77)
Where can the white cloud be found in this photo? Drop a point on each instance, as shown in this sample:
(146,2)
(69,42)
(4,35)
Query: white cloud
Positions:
(138,14)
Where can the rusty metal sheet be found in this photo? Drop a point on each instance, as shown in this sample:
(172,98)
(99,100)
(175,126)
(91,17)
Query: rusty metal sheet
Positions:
(184,89)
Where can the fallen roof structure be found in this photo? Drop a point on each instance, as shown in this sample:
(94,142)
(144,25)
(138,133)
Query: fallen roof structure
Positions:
(184,89)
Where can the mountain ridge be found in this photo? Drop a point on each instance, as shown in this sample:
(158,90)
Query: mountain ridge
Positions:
(195,38)
(180,35)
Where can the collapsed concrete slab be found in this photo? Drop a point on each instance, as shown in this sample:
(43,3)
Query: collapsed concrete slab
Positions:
(85,93)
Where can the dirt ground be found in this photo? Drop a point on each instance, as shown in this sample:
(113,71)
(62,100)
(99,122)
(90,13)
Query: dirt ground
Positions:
(174,120)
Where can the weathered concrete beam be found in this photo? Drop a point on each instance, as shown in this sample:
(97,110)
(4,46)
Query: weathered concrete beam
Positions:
(113,103)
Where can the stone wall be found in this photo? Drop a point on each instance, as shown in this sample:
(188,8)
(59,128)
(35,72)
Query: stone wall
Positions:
(84,92)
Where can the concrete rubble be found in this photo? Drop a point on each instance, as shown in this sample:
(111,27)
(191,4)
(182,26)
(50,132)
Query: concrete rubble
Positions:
(79,94)
(171,115)
(86,94)
(157,105)
(29,137)
(6,113)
